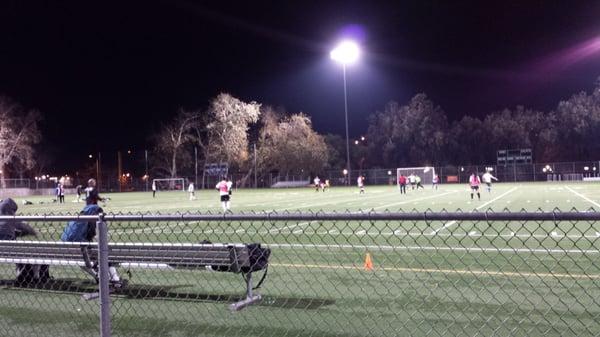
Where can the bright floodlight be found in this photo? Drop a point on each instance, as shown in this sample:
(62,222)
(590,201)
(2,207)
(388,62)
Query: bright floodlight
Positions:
(346,52)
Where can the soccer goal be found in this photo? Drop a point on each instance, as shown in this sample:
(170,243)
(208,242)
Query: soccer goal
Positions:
(169,184)
(426,173)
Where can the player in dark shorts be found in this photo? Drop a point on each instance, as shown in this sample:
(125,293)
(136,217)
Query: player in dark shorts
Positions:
(79,190)
(474,182)
(224,188)
(91,193)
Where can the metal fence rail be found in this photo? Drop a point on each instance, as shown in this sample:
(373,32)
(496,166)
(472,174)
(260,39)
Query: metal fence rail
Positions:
(330,274)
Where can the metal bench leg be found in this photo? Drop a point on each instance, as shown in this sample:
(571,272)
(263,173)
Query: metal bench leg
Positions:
(89,267)
(250,299)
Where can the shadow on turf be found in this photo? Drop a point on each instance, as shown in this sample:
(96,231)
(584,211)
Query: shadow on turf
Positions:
(153,292)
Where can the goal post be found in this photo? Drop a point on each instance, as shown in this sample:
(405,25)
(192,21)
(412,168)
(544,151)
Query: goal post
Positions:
(426,173)
(170,184)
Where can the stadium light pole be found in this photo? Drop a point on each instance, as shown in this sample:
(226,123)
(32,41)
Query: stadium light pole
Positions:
(346,53)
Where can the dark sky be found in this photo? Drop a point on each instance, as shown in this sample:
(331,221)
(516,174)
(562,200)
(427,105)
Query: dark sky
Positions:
(105,74)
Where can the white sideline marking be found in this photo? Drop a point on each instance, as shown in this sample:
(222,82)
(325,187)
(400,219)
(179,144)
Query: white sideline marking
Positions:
(448,224)
(583,197)
(432,248)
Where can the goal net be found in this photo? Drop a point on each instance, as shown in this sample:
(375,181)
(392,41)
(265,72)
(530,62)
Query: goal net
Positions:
(426,173)
(169,184)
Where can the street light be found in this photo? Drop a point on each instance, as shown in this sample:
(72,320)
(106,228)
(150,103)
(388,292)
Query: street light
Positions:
(346,52)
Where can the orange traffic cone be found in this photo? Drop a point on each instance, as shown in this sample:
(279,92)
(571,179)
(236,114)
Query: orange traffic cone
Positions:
(368,262)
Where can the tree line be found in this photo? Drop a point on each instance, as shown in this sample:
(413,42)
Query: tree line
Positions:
(418,133)
(227,130)
(254,138)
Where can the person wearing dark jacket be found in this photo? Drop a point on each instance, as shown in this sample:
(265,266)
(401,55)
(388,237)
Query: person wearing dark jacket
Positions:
(11,229)
(27,274)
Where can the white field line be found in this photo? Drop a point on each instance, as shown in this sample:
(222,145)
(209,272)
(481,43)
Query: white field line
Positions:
(324,196)
(301,224)
(583,196)
(432,248)
(277,230)
(413,200)
(362,232)
(448,224)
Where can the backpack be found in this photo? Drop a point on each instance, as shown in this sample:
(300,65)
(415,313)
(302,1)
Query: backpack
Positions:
(80,230)
(259,258)
(32,274)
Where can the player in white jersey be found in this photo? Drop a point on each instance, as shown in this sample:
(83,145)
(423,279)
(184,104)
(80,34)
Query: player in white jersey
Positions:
(487,179)
(361,184)
(317,182)
(191,191)
(412,179)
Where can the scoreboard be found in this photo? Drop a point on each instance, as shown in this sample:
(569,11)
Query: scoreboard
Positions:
(516,156)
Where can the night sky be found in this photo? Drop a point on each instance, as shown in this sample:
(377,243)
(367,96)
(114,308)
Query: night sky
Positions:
(105,74)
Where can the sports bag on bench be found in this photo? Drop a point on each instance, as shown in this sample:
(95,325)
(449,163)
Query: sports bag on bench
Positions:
(259,260)
(31,274)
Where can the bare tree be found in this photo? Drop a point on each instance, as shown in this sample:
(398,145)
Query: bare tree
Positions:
(170,140)
(18,133)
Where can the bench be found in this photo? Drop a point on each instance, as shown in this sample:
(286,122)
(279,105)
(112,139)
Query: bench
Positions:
(235,258)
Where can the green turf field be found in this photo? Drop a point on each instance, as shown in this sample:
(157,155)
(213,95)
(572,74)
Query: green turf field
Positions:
(430,278)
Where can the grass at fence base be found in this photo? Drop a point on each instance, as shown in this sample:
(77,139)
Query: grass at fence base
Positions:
(429,279)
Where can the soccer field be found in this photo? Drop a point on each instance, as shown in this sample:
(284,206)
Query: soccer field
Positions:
(429,278)
(515,197)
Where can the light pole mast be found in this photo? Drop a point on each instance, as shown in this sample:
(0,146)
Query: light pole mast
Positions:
(346,52)
(347,134)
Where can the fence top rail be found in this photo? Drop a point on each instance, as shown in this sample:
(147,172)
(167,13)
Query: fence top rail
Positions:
(489,216)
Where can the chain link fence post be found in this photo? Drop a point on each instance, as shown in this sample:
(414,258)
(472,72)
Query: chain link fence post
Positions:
(103,277)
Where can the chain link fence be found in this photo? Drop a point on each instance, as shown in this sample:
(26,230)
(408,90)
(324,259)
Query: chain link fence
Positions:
(329,274)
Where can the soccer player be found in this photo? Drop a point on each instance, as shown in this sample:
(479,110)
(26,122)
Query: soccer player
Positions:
(57,193)
(326,185)
(361,184)
(487,178)
(402,183)
(317,182)
(61,193)
(191,192)
(229,186)
(412,179)
(91,193)
(435,181)
(223,189)
(153,188)
(79,189)
(474,182)
(418,181)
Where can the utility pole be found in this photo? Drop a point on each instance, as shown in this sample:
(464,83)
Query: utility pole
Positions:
(255,177)
(119,168)
(195,166)
(146,174)
(98,171)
